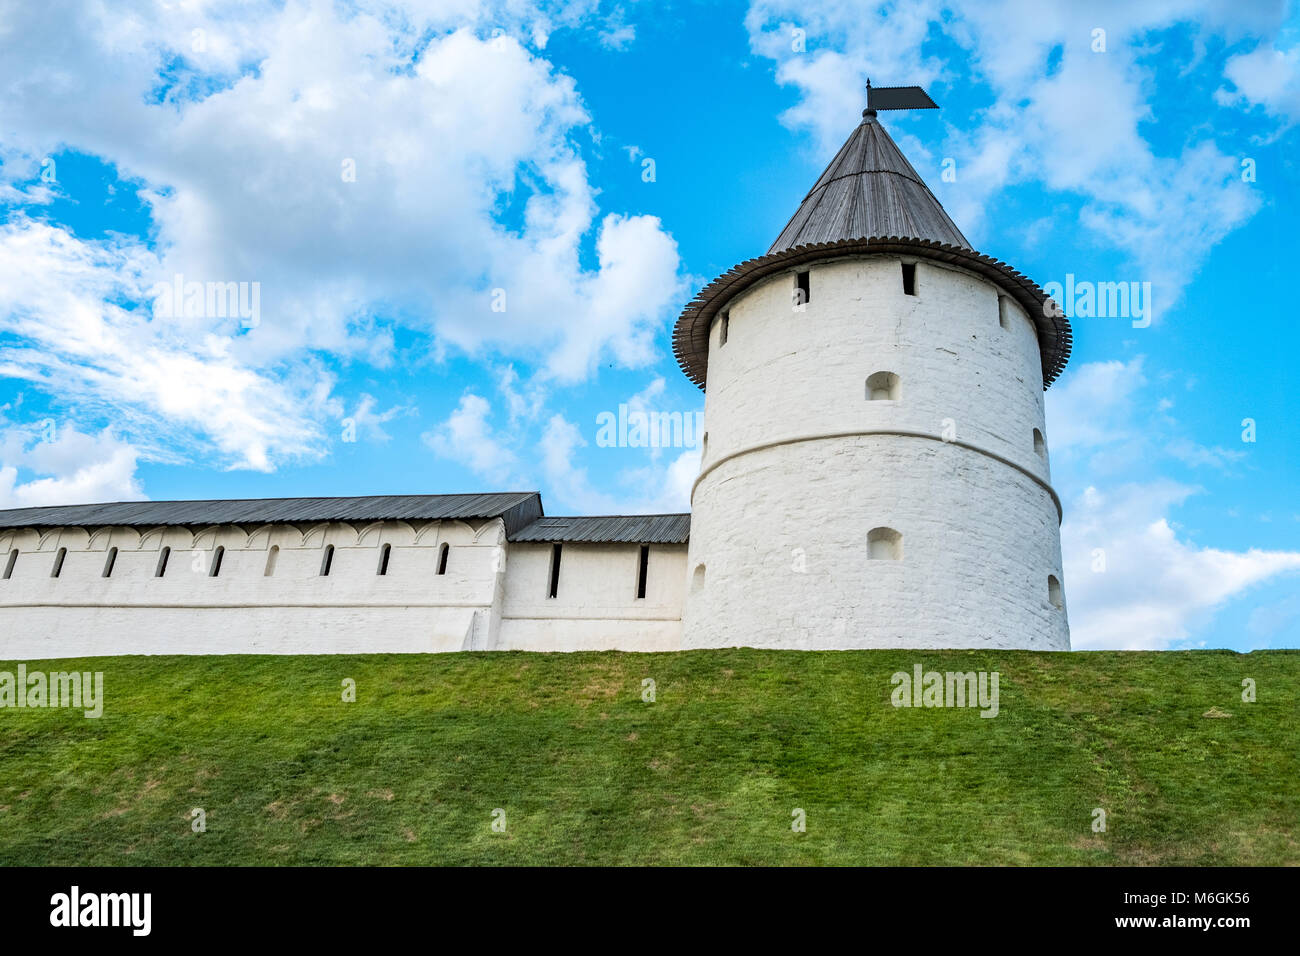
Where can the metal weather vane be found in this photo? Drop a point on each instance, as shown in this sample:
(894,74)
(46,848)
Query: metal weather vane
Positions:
(898,98)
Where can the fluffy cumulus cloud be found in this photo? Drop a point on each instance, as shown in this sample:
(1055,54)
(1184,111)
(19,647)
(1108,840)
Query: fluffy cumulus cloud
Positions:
(1133,578)
(1092,405)
(650,480)
(655,487)
(68,465)
(467,437)
(1267,76)
(1059,114)
(65,304)
(369,166)
(1134,583)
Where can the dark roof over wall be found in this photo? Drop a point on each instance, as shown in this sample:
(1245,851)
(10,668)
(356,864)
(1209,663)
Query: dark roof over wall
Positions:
(520,511)
(638,529)
(516,509)
(869,201)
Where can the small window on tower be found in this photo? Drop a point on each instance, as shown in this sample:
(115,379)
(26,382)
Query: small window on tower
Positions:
(909,278)
(883,386)
(109,562)
(723,328)
(58,563)
(1054,592)
(442,557)
(216,562)
(272,556)
(802,289)
(327,561)
(9,564)
(1040,447)
(384,552)
(1004,319)
(161,569)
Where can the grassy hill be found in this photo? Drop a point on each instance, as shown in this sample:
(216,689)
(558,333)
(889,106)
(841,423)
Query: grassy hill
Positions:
(587,772)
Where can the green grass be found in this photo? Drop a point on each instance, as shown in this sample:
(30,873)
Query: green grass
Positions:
(587,773)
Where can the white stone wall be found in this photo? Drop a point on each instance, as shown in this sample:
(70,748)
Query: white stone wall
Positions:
(799,467)
(492,596)
(595,607)
(242,609)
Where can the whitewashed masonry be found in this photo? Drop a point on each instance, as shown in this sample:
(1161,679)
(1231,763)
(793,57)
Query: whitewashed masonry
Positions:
(418,584)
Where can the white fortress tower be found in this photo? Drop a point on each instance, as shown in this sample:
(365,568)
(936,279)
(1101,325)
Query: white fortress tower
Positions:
(874,469)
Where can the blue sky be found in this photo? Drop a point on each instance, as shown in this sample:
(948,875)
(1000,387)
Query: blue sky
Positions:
(505,146)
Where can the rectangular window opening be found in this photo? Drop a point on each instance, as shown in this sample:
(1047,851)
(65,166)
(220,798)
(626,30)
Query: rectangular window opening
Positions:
(643,568)
(805,290)
(723,329)
(554,586)
(909,278)
(161,569)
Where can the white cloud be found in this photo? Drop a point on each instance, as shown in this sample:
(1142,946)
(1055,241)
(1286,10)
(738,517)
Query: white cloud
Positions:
(525,401)
(77,467)
(666,489)
(467,437)
(60,298)
(551,461)
(846,41)
(369,423)
(644,402)
(656,489)
(1191,453)
(566,481)
(1110,439)
(1092,405)
(468,178)
(619,37)
(1266,76)
(1156,588)
(637,269)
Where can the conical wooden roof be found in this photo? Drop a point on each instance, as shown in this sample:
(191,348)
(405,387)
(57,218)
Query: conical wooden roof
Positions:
(869,190)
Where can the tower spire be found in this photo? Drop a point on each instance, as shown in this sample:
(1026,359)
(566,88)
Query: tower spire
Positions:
(870,190)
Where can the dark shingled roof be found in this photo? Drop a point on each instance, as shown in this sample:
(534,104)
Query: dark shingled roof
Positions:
(638,529)
(516,509)
(869,189)
(869,201)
